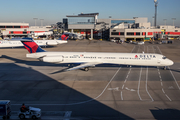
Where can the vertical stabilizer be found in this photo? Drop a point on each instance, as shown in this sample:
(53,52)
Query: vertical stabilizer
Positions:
(31,46)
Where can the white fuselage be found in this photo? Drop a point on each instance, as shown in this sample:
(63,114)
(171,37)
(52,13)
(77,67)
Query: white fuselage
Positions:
(139,59)
(17,43)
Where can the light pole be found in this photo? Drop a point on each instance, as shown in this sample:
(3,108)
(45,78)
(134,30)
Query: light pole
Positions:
(173,20)
(152,21)
(41,22)
(165,21)
(156,4)
(110,21)
(35,20)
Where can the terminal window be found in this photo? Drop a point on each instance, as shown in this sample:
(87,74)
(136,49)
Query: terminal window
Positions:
(130,33)
(114,33)
(17,26)
(121,21)
(137,33)
(9,26)
(117,33)
(2,26)
(81,20)
(121,33)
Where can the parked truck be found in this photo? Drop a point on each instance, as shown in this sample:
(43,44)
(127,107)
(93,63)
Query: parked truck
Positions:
(5,109)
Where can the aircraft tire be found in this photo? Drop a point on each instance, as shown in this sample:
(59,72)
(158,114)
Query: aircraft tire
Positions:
(165,67)
(86,69)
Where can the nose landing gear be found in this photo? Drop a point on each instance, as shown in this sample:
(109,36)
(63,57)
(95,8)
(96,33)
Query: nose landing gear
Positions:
(165,67)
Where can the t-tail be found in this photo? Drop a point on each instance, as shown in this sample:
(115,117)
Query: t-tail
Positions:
(31,46)
(64,37)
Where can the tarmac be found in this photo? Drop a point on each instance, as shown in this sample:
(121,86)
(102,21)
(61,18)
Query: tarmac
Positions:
(105,92)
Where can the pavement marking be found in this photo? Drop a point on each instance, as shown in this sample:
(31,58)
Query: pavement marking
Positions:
(123,86)
(161,79)
(153,49)
(159,49)
(147,77)
(146,84)
(114,89)
(174,78)
(163,91)
(139,84)
(129,89)
(133,49)
(168,97)
(82,101)
(124,83)
(121,96)
(171,72)
(162,87)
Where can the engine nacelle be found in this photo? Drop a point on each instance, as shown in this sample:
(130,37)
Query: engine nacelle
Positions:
(51,43)
(52,59)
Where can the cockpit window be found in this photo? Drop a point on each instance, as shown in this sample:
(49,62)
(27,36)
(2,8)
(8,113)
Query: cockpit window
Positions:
(163,57)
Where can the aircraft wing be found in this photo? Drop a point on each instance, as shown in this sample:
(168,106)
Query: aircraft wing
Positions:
(89,64)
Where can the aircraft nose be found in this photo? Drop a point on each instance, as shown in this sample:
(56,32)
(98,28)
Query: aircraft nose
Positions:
(170,62)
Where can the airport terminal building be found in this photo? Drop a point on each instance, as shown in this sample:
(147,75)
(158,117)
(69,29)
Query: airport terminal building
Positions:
(20,29)
(140,30)
(91,27)
(119,29)
(82,23)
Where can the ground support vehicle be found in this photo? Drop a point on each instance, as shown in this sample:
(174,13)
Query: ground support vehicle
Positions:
(5,109)
(34,113)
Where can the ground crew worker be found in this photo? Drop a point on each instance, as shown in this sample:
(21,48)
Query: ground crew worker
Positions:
(23,108)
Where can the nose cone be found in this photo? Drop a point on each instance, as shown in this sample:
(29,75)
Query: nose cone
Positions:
(170,62)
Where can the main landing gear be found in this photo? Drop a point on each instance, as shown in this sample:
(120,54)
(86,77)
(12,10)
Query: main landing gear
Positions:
(86,68)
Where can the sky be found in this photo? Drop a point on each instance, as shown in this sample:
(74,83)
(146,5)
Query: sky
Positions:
(53,11)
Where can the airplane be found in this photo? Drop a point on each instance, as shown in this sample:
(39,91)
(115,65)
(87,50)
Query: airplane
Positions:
(91,59)
(42,33)
(17,42)
(74,36)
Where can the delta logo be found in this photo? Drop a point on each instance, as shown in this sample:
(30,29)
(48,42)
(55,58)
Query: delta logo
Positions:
(145,56)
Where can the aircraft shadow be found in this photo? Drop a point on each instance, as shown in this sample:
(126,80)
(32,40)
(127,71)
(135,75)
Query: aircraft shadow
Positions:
(165,114)
(174,70)
(25,85)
